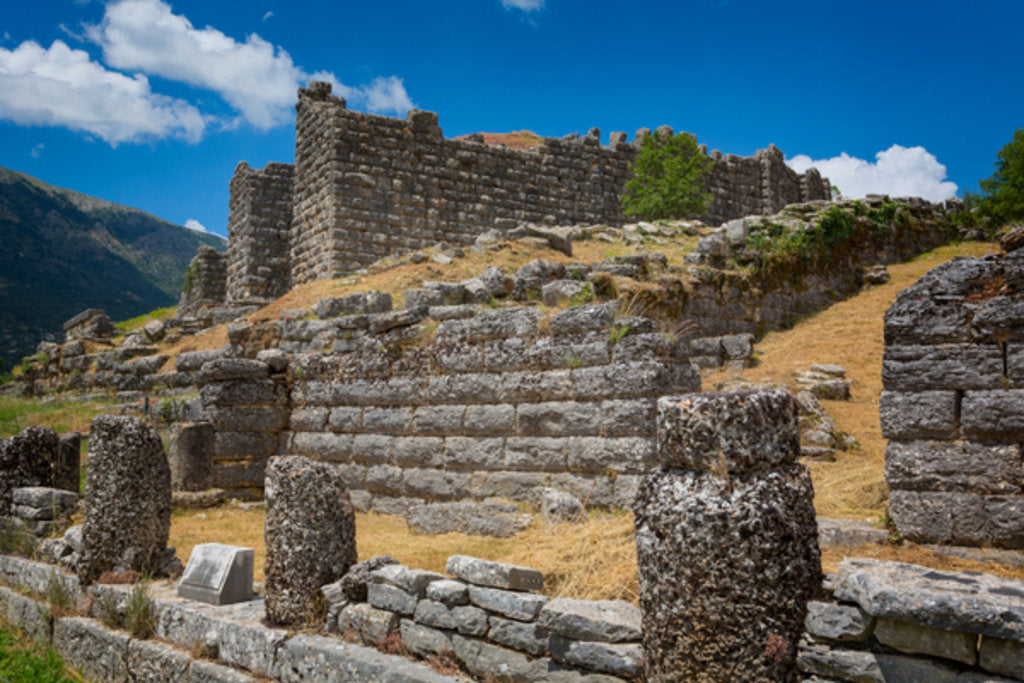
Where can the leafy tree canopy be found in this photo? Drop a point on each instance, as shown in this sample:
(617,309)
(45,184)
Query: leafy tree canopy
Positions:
(668,179)
(1002,194)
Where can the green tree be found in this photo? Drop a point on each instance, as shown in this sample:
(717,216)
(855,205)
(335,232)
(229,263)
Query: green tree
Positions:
(1002,194)
(667,179)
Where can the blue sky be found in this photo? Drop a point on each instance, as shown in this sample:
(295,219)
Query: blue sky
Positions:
(152,103)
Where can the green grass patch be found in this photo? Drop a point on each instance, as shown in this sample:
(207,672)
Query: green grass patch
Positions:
(21,660)
(141,321)
(18,413)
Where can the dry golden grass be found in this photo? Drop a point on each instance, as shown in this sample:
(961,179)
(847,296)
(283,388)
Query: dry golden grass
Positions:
(850,333)
(915,554)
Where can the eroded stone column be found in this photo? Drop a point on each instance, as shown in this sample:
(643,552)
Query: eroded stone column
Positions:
(726,539)
(310,535)
(127,499)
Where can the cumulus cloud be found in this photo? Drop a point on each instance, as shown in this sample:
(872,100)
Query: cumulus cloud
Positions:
(525,5)
(383,94)
(255,77)
(60,86)
(898,171)
(193,224)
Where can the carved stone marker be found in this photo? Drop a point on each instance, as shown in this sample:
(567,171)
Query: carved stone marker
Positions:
(218,574)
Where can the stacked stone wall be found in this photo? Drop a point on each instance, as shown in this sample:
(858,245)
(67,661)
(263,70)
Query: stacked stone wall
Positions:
(368,186)
(953,409)
(205,281)
(259,233)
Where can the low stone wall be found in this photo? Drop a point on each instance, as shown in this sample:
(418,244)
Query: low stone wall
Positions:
(953,409)
(205,282)
(901,622)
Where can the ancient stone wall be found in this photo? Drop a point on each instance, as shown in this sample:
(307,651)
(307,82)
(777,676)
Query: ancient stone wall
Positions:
(205,281)
(259,228)
(953,409)
(366,187)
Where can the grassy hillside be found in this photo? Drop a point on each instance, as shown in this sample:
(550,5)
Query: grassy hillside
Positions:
(62,251)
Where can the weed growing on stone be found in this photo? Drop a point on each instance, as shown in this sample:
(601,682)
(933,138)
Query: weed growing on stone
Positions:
(109,610)
(572,359)
(445,663)
(392,644)
(15,539)
(140,611)
(58,595)
(617,332)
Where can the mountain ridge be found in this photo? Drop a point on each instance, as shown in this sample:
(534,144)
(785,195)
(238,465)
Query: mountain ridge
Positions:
(62,251)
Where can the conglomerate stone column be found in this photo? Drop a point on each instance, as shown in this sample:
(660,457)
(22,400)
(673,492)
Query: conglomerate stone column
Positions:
(726,540)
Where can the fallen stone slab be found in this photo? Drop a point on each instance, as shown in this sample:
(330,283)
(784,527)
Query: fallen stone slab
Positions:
(610,621)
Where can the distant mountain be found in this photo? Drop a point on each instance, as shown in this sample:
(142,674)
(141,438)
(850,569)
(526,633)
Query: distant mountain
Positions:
(62,251)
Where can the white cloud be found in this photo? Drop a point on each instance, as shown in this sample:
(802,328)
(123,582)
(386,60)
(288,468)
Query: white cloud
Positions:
(255,77)
(383,94)
(60,86)
(525,5)
(193,224)
(37,150)
(898,171)
(267,15)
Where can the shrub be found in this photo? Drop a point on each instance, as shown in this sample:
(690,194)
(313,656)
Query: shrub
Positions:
(139,611)
(58,595)
(667,179)
(1002,193)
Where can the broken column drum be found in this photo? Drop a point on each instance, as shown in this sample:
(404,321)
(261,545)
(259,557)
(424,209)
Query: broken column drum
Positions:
(726,539)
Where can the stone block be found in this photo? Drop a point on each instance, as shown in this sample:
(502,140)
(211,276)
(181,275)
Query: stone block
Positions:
(372,449)
(322,445)
(628,454)
(345,419)
(128,486)
(970,602)
(308,419)
(418,452)
(318,659)
(993,415)
(512,604)
(536,453)
(96,652)
(391,598)
(381,420)
(582,319)
(958,466)
(476,571)
(224,369)
(525,637)
(918,415)
(439,420)
(618,659)
(860,665)
(728,432)
(152,661)
(610,621)
(373,625)
(557,507)
(552,385)
(629,417)
(917,639)
(559,418)
(66,468)
(1002,656)
(468,517)
(448,592)
(424,641)
(490,420)
(310,535)
(27,459)
(939,517)
(840,623)
(474,453)
(218,574)
(190,451)
(942,367)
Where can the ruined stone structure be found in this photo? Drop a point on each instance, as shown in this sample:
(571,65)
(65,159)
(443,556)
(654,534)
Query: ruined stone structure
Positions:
(727,544)
(364,187)
(204,281)
(953,409)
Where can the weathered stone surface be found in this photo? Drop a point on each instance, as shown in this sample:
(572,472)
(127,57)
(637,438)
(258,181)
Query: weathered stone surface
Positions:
(620,659)
(413,581)
(859,665)
(27,459)
(448,592)
(54,501)
(531,638)
(609,621)
(512,604)
(316,659)
(728,432)
(32,617)
(468,517)
(480,572)
(757,532)
(959,518)
(840,623)
(151,661)
(918,415)
(391,598)
(355,580)
(993,415)
(483,659)
(373,625)
(558,507)
(218,574)
(422,640)
(98,653)
(190,452)
(848,532)
(128,491)
(952,601)
(965,466)
(1002,656)
(942,367)
(917,639)
(310,535)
